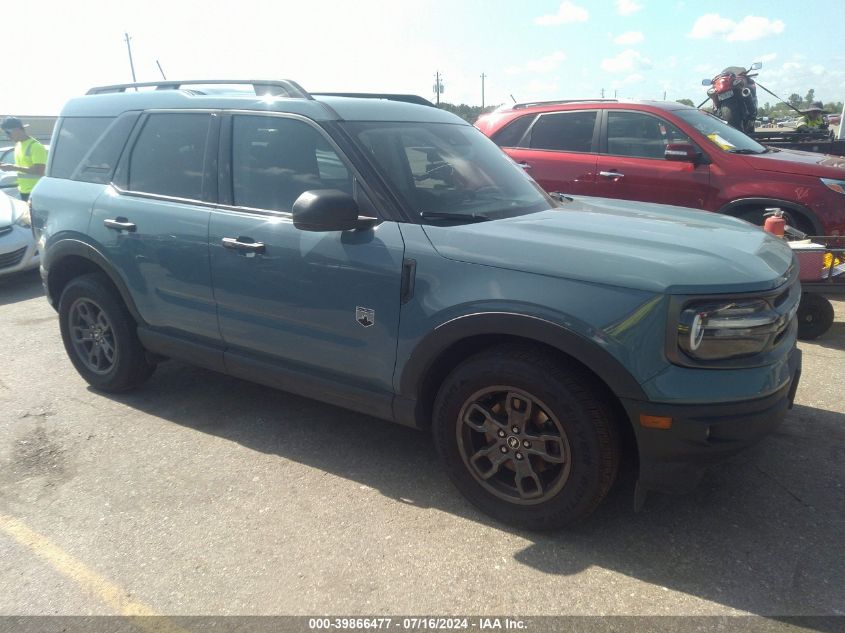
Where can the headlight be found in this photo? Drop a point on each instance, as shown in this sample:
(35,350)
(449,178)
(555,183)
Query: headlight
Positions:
(24,219)
(713,330)
(837,185)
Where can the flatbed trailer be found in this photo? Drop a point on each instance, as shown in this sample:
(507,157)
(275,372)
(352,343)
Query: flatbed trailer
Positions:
(819,142)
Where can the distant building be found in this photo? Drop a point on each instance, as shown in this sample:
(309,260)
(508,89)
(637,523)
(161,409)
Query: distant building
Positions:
(40,127)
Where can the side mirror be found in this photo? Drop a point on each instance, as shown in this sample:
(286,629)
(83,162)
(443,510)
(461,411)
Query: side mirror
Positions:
(706,82)
(683,152)
(756,66)
(325,210)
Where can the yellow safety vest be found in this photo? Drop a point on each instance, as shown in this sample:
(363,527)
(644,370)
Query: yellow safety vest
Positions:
(28,153)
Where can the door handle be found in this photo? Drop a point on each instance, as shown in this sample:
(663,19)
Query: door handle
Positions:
(120,224)
(240,244)
(611,174)
(524,165)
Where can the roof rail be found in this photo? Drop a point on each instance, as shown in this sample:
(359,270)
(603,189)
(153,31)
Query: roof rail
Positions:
(276,87)
(531,104)
(377,95)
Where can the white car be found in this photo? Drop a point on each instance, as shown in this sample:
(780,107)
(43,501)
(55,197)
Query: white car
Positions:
(18,250)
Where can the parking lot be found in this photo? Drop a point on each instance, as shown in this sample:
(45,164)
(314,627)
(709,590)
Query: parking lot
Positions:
(203,494)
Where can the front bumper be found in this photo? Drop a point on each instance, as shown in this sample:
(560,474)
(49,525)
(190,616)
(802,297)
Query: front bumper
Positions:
(18,250)
(673,460)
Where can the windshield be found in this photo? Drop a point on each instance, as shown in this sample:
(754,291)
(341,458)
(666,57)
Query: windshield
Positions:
(448,172)
(720,133)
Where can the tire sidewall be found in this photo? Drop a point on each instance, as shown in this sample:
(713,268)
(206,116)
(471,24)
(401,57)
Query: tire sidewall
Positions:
(587,483)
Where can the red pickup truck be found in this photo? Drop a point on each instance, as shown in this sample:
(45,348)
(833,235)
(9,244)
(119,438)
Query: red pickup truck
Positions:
(668,153)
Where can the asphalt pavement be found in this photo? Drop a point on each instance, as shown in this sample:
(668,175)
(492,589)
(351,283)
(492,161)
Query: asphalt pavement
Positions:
(202,494)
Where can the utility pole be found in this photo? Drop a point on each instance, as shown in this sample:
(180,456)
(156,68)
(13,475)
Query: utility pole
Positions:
(664,95)
(602,93)
(131,63)
(161,70)
(482,90)
(438,86)
(614,93)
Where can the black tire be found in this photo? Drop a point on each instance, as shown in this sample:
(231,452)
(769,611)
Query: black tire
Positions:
(100,335)
(815,316)
(567,435)
(731,115)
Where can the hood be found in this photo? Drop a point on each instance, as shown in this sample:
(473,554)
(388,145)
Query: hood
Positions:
(651,247)
(10,209)
(793,161)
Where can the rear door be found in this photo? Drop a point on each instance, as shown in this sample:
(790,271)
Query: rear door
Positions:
(559,151)
(153,224)
(632,164)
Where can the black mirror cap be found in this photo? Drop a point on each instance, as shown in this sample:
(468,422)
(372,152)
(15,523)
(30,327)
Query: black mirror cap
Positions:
(328,210)
(683,152)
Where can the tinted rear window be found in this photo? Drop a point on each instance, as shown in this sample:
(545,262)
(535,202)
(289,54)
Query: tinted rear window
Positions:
(564,131)
(512,133)
(76,137)
(169,155)
(98,164)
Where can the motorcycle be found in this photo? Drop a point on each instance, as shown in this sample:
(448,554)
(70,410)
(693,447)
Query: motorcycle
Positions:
(734,96)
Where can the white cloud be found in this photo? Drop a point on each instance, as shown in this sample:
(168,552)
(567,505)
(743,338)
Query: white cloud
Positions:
(626,61)
(627,7)
(749,28)
(769,57)
(544,64)
(632,79)
(629,38)
(568,12)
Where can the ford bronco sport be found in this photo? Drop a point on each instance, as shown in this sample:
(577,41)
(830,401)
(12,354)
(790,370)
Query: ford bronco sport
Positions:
(387,257)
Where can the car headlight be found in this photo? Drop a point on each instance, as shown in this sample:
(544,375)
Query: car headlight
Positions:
(837,185)
(721,330)
(24,218)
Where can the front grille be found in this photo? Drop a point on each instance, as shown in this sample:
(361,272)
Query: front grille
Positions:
(4,230)
(12,259)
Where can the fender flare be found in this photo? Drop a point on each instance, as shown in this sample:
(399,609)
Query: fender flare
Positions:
(805,211)
(73,247)
(444,336)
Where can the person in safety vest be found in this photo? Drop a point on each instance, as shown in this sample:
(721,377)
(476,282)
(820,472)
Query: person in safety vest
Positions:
(30,156)
(813,120)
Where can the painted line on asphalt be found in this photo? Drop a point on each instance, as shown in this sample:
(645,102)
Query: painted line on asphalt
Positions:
(108,592)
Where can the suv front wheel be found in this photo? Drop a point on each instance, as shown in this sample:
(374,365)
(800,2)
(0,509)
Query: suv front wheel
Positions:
(527,438)
(99,335)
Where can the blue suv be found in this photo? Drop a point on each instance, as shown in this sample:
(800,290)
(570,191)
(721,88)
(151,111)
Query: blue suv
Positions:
(382,255)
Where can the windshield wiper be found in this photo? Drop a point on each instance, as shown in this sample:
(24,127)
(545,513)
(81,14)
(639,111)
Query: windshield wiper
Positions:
(745,151)
(458,217)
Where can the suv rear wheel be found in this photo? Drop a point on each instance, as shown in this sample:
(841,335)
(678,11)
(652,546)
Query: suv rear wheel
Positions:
(99,335)
(527,438)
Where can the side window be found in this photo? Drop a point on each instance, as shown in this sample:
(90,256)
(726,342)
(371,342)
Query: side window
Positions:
(168,156)
(512,133)
(640,135)
(98,164)
(275,160)
(564,131)
(76,137)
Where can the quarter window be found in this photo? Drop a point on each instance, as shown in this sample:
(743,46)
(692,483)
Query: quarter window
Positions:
(640,135)
(276,159)
(168,157)
(564,131)
(512,133)
(76,136)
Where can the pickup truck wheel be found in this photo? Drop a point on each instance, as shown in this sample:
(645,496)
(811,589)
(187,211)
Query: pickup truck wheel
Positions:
(99,335)
(815,316)
(526,438)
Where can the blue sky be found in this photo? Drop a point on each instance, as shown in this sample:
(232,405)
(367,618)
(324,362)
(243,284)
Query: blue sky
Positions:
(531,50)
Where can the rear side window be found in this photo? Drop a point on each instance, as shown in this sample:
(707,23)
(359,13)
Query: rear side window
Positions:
(76,137)
(512,133)
(98,164)
(564,131)
(275,160)
(169,155)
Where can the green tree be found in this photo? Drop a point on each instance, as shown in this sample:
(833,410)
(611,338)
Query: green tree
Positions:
(795,99)
(688,102)
(811,96)
(468,113)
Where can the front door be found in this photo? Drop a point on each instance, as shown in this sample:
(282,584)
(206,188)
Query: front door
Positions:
(633,166)
(322,304)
